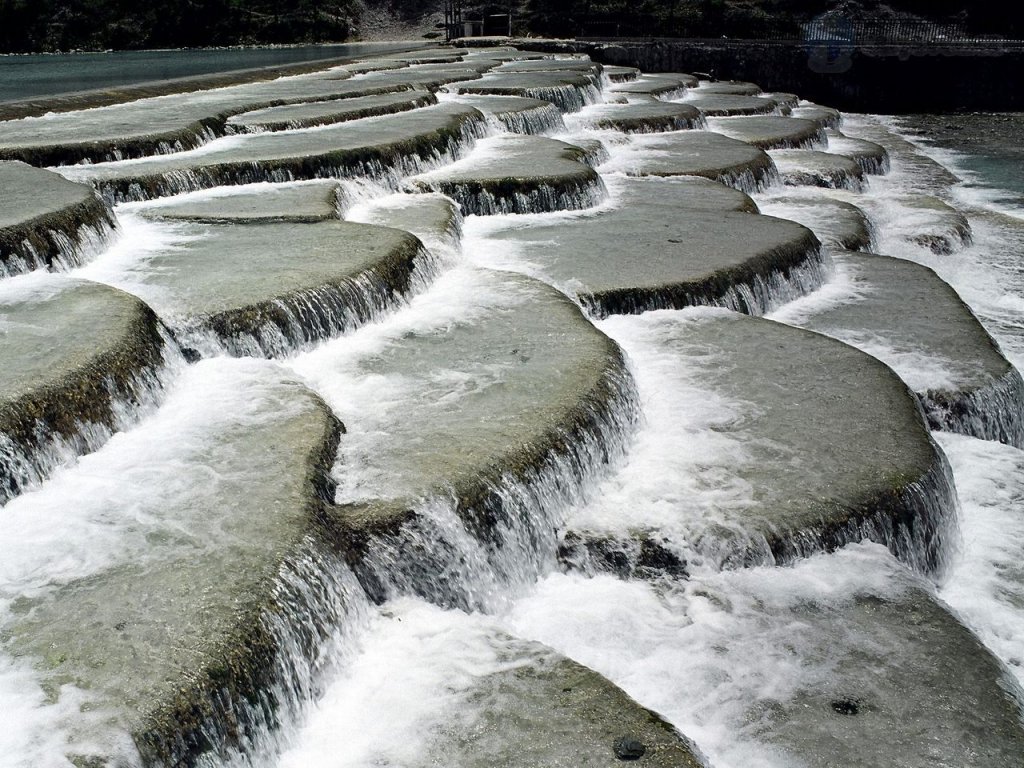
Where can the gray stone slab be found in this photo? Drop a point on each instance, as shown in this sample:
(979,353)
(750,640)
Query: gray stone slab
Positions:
(907,316)
(837,223)
(645,117)
(74,355)
(901,682)
(181,639)
(729,88)
(565,715)
(813,168)
(553,65)
(327,112)
(163,124)
(518,174)
(725,105)
(652,253)
(873,158)
(402,142)
(826,117)
(770,131)
(538,384)
(47,221)
(569,91)
(299,202)
(430,217)
(703,153)
(430,79)
(265,289)
(619,74)
(827,446)
(659,86)
(519,114)
(938,226)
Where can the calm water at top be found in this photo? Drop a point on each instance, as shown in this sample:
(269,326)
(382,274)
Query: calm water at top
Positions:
(34,75)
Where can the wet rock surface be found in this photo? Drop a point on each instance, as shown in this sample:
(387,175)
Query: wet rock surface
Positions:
(703,153)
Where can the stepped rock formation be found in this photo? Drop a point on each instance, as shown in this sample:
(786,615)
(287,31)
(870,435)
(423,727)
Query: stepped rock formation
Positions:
(353,370)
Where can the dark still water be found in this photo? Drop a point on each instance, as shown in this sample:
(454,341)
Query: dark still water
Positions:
(25,77)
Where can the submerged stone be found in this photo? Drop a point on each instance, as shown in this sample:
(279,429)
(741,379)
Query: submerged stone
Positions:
(905,315)
(46,221)
(404,143)
(298,202)
(771,131)
(565,715)
(652,253)
(938,226)
(900,682)
(811,168)
(327,112)
(78,359)
(702,153)
(200,615)
(518,174)
(724,105)
(646,117)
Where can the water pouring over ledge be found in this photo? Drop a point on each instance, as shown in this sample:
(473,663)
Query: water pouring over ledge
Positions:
(486,550)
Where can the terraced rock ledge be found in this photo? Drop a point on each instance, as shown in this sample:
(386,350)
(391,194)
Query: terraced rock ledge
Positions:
(518,174)
(403,143)
(200,644)
(812,168)
(771,131)
(702,153)
(656,253)
(646,117)
(307,115)
(46,221)
(300,202)
(849,458)
(519,114)
(567,90)
(268,288)
(543,399)
(78,360)
(906,315)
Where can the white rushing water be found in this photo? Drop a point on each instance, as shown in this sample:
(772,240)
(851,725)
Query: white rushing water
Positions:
(718,654)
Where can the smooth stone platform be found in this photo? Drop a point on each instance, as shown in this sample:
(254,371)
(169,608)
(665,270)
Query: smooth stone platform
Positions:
(872,157)
(46,221)
(75,356)
(618,74)
(265,289)
(518,174)
(724,105)
(525,386)
(900,682)
(427,78)
(565,715)
(830,448)
(692,193)
(928,175)
(729,88)
(327,112)
(164,124)
(657,86)
(836,223)
(940,227)
(301,202)
(177,641)
(431,217)
(645,117)
(785,101)
(770,131)
(907,316)
(552,65)
(402,142)
(812,168)
(826,117)
(655,254)
(569,91)
(519,114)
(702,153)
